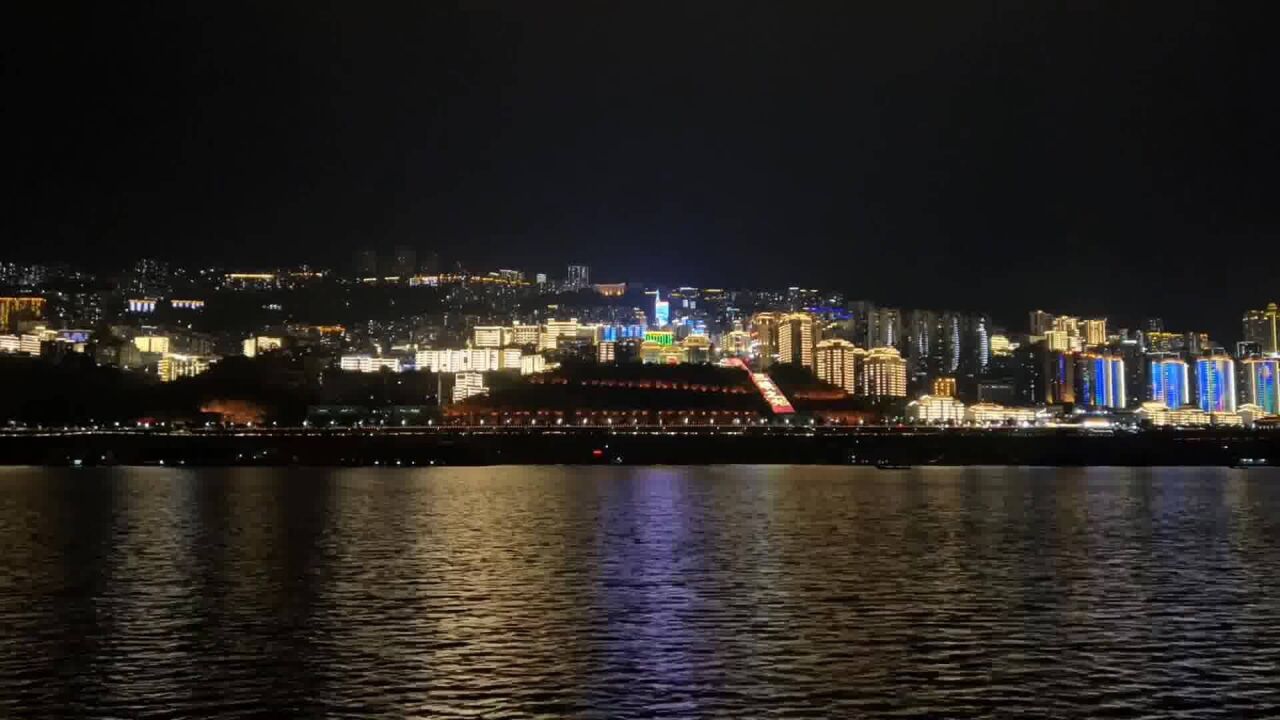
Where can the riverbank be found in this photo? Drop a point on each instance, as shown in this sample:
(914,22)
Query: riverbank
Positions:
(685,446)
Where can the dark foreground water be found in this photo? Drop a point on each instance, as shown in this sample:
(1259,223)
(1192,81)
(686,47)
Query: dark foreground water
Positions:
(640,592)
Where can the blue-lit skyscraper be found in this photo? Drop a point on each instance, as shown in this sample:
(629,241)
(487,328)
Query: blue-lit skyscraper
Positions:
(1104,381)
(1216,382)
(1169,382)
(661,311)
(1263,389)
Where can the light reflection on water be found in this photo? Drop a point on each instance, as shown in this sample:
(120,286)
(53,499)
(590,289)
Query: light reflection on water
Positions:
(639,592)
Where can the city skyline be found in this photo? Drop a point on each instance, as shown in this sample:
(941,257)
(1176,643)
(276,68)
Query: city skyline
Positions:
(637,359)
(401,262)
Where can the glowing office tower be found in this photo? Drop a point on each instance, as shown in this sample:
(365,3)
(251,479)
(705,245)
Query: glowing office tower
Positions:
(1169,382)
(836,362)
(1263,389)
(1104,383)
(1216,382)
(884,373)
(796,333)
(1095,332)
(1260,326)
(944,387)
(764,328)
(661,311)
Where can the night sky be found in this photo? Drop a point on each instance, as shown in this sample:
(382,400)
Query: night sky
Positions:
(1115,158)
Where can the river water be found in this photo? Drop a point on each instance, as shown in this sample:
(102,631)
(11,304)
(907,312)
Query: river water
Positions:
(619,592)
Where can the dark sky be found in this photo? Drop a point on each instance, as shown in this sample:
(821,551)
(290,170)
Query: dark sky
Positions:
(1090,157)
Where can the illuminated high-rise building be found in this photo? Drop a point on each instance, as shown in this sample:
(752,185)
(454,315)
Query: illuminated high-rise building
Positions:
(30,344)
(561,328)
(151,343)
(1057,340)
(796,333)
(1263,388)
(150,277)
(173,366)
(14,310)
(468,384)
(1162,342)
(1057,385)
(490,336)
(525,334)
(1196,342)
(1260,326)
(1040,322)
(578,277)
(836,362)
(509,358)
(1216,383)
(661,311)
(1067,324)
(735,342)
(252,347)
(1170,382)
(883,374)
(935,409)
(697,349)
(1102,379)
(663,338)
(1001,347)
(606,352)
(944,387)
(984,344)
(884,327)
(1247,348)
(764,330)
(1095,332)
(468,360)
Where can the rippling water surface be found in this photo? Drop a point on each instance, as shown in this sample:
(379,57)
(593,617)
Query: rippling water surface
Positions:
(640,592)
